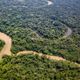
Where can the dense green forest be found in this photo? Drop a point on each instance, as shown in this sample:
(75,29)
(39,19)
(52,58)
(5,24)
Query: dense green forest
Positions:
(39,29)
(36,68)
(1,44)
(33,25)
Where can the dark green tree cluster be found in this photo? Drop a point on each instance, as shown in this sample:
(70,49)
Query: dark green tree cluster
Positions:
(36,68)
(1,44)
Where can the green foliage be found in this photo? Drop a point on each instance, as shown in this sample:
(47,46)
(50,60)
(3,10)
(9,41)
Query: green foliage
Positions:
(39,29)
(36,68)
(1,44)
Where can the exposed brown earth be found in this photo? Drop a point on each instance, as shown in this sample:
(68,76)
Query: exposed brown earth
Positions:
(7,46)
(41,55)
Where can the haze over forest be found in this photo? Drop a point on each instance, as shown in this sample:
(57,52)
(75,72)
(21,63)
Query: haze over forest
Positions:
(39,39)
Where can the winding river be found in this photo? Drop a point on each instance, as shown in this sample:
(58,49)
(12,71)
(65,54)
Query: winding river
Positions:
(8,43)
(7,50)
